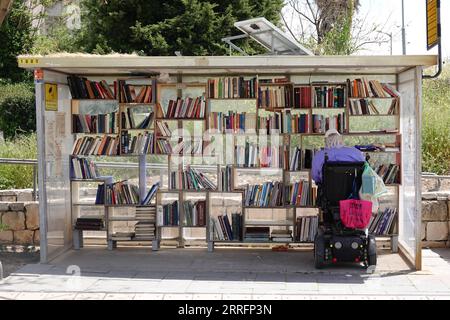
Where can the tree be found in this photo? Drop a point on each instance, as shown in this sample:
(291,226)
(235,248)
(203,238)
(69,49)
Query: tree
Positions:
(16,37)
(5,7)
(157,27)
(331,27)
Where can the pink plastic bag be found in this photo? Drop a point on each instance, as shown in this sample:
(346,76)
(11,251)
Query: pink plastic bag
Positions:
(355,214)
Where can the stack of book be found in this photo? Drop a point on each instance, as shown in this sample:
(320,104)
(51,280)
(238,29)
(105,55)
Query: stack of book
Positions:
(82,88)
(302,97)
(246,156)
(122,236)
(145,226)
(257,234)
(163,147)
(306,229)
(223,230)
(322,123)
(150,194)
(383,223)
(93,223)
(362,88)
(128,93)
(99,123)
(329,97)
(281,236)
(168,214)
(129,121)
(226,176)
(270,194)
(190,179)
(270,97)
(142,143)
(232,88)
(233,122)
(284,122)
(84,169)
(270,157)
(301,194)
(122,193)
(194,213)
(388,172)
(363,107)
(96,146)
(189,108)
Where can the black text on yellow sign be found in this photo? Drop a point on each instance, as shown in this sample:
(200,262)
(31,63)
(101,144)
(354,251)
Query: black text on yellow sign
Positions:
(51,97)
(433,21)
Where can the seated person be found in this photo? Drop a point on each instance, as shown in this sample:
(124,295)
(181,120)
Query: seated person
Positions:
(337,152)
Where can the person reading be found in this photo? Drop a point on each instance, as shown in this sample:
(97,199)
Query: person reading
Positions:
(336,151)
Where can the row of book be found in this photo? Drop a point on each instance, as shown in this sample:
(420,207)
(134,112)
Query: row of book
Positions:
(191,179)
(367,107)
(144,229)
(99,123)
(128,93)
(163,146)
(284,122)
(363,88)
(269,194)
(383,223)
(322,123)
(246,156)
(168,214)
(302,97)
(194,213)
(223,230)
(82,88)
(142,143)
(296,159)
(388,172)
(129,121)
(231,122)
(281,236)
(329,97)
(122,193)
(275,97)
(301,194)
(83,168)
(306,228)
(232,88)
(188,147)
(163,129)
(226,179)
(96,146)
(189,108)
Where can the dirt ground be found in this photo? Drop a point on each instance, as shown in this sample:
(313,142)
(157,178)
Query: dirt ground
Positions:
(12,261)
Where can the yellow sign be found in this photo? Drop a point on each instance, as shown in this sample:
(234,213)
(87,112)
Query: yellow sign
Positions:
(28,61)
(51,97)
(433,22)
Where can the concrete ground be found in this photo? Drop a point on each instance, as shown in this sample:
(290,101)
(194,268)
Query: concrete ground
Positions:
(95,273)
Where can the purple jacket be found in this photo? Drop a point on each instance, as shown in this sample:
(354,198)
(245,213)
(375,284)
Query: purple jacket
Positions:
(346,154)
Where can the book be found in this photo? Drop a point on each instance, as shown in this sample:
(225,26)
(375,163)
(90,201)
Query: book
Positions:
(82,168)
(302,97)
(98,123)
(322,123)
(127,93)
(281,236)
(246,156)
(232,88)
(162,129)
(231,122)
(269,194)
(273,97)
(128,120)
(284,122)
(96,146)
(82,88)
(122,193)
(363,107)
(384,222)
(191,179)
(306,228)
(189,108)
(169,214)
(363,88)
(151,194)
(222,229)
(388,172)
(329,97)
(301,194)
(194,213)
(257,234)
(226,179)
(94,223)
(142,143)
(145,226)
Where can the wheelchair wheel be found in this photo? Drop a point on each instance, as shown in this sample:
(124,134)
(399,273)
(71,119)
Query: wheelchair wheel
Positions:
(319,251)
(372,251)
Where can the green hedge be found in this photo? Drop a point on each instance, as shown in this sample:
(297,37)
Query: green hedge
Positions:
(17,109)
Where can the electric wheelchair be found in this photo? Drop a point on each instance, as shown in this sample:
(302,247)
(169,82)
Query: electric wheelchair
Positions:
(334,243)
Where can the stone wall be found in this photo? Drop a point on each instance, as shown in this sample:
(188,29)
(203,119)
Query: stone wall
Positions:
(436,219)
(22,195)
(21,220)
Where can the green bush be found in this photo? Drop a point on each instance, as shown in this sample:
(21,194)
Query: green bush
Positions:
(436,124)
(17,109)
(17,176)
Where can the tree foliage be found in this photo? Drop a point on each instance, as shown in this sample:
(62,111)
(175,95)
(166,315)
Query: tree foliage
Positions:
(159,27)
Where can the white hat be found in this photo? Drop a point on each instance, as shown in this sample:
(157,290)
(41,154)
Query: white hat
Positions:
(331,132)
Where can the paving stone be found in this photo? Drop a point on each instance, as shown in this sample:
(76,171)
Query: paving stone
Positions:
(148,296)
(119,296)
(8,295)
(60,296)
(90,296)
(175,296)
(31,296)
(237,297)
(207,297)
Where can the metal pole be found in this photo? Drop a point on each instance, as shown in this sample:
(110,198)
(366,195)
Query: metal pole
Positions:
(403,28)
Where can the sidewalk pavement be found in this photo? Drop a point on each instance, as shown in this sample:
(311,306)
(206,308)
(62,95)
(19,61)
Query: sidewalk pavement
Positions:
(194,274)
